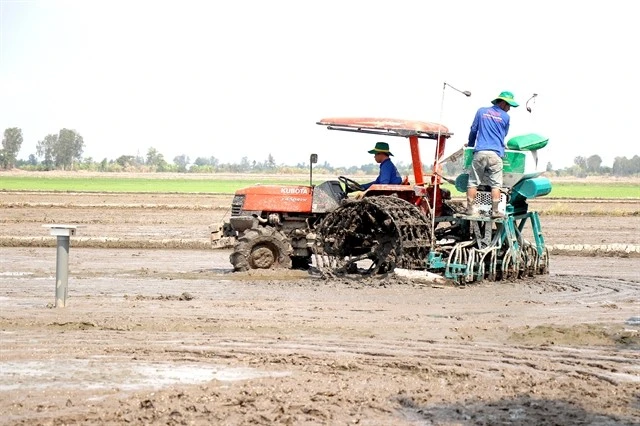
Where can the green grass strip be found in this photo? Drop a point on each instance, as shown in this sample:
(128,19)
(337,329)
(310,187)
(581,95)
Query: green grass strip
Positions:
(226,185)
(172,185)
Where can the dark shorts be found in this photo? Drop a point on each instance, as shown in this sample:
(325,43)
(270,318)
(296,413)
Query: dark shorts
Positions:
(486,169)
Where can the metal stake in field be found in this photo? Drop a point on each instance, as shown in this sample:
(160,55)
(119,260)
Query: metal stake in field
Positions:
(63,234)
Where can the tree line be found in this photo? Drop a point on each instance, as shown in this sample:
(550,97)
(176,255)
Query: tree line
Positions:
(592,165)
(63,151)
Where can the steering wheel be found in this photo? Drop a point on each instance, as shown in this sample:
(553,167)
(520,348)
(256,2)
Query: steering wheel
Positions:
(350,185)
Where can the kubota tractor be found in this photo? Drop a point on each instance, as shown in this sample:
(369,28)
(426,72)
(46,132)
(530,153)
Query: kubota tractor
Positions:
(414,225)
(275,225)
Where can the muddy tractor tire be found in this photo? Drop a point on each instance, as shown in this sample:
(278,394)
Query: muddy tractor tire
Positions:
(261,248)
(386,230)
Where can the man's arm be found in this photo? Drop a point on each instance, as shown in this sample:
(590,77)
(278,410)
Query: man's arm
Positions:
(472,138)
(366,186)
(381,176)
(474,130)
(506,129)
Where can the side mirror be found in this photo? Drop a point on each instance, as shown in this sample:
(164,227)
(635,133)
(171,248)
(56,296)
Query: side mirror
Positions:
(313,159)
(534,101)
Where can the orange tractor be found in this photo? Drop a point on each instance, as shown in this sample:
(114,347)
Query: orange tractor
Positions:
(413,225)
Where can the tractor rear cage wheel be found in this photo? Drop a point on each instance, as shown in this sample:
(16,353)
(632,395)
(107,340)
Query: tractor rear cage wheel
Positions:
(387,230)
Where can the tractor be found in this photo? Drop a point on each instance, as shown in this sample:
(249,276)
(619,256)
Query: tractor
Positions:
(274,225)
(414,225)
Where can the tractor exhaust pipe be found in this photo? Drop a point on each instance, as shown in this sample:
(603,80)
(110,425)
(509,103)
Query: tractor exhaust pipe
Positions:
(313,159)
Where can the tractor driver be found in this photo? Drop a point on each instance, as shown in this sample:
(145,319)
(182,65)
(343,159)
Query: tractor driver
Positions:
(389,174)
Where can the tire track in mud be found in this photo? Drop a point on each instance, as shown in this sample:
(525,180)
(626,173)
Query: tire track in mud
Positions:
(608,364)
(590,289)
(556,288)
(613,366)
(484,374)
(424,378)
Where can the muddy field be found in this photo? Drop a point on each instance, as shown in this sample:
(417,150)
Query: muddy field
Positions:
(158,330)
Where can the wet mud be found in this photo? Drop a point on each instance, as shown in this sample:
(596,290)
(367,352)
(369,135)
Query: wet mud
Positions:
(173,336)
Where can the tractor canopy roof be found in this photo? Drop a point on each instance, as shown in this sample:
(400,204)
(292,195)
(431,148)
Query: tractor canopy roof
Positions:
(387,127)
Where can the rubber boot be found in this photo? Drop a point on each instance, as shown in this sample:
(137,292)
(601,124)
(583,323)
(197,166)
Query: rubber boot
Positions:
(495,210)
(472,209)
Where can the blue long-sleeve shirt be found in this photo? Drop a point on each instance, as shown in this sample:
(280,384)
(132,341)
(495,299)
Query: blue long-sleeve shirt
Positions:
(488,130)
(388,175)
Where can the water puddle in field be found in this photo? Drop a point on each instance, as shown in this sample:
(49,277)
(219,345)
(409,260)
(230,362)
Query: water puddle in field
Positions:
(99,373)
(633,321)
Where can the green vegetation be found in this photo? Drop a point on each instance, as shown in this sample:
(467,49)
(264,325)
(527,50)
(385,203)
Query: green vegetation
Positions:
(614,190)
(120,184)
(228,185)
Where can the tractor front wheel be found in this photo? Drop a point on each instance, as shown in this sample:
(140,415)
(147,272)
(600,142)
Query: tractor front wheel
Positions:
(261,248)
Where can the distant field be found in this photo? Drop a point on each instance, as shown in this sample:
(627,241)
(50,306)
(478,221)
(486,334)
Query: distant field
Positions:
(228,184)
(119,184)
(613,190)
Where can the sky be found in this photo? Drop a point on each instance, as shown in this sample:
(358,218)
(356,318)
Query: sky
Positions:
(234,79)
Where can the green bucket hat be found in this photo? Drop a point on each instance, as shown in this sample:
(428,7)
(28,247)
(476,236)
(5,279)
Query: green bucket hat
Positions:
(507,97)
(381,147)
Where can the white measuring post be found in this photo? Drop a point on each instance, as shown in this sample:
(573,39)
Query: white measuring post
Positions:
(63,234)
